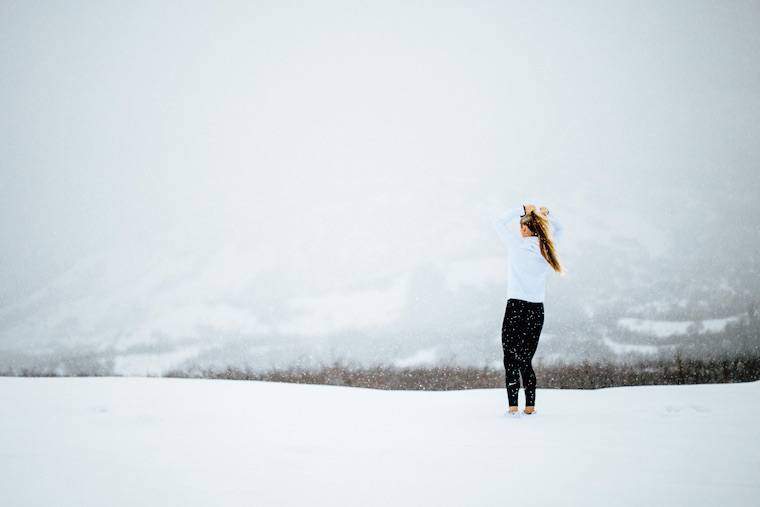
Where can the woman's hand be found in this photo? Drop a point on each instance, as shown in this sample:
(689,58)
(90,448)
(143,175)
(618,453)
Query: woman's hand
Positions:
(544,211)
(528,208)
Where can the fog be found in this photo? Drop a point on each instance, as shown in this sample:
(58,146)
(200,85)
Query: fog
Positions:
(263,183)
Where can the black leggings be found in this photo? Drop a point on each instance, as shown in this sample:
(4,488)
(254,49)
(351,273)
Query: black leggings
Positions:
(520,331)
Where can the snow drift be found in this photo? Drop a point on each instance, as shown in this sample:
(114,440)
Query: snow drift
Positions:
(143,441)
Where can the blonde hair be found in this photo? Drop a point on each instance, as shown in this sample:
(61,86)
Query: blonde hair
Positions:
(538,224)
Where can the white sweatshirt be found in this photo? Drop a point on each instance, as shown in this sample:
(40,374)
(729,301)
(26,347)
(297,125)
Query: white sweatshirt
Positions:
(526,267)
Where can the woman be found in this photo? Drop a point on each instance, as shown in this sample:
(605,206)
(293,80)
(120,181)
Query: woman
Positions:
(532,255)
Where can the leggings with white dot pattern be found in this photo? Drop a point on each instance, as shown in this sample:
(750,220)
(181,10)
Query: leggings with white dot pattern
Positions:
(520,332)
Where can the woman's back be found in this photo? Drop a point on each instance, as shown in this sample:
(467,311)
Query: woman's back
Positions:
(527,269)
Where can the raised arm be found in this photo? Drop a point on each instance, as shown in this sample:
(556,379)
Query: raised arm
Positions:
(501,225)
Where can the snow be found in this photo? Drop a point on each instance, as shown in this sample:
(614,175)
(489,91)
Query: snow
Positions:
(425,357)
(346,310)
(718,325)
(626,348)
(153,364)
(136,297)
(667,328)
(156,441)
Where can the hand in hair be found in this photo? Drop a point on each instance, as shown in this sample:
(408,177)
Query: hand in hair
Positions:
(544,211)
(529,207)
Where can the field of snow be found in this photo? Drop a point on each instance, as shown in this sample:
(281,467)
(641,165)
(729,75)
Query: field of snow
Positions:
(668,328)
(157,441)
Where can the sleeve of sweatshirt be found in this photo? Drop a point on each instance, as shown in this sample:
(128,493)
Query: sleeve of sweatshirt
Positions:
(501,224)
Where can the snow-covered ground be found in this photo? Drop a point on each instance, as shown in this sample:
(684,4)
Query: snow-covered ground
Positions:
(668,328)
(185,442)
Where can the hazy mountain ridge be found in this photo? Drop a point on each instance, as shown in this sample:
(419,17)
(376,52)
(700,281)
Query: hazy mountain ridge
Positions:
(171,308)
(294,184)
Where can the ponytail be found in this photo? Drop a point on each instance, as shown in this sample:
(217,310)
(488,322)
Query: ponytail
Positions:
(539,225)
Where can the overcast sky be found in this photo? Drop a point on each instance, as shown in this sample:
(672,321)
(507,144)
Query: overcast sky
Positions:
(332,142)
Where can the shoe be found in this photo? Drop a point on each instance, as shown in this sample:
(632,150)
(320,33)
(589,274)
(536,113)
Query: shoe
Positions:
(513,412)
(530,410)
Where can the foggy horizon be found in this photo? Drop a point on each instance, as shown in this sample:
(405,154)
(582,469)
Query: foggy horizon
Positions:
(322,178)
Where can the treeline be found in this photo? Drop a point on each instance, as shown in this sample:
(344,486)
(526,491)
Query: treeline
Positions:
(674,369)
(585,375)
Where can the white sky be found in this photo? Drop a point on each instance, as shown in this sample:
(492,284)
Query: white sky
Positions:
(334,142)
